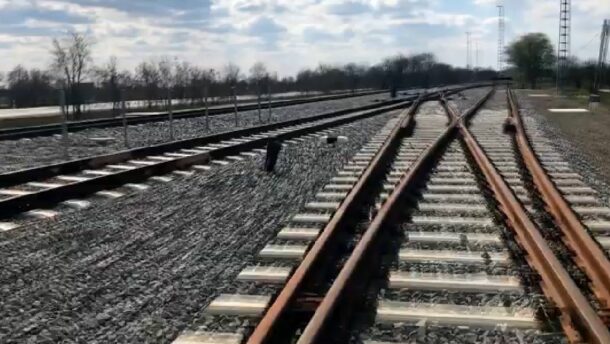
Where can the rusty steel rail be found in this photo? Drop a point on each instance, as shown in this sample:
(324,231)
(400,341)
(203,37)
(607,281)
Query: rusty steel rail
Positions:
(578,318)
(271,326)
(589,256)
(339,291)
(73,126)
(50,197)
(348,276)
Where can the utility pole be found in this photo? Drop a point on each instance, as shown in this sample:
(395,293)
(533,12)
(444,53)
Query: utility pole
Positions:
(476,54)
(563,48)
(64,122)
(603,55)
(124,117)
(170,113)
(468,55)
(268,98)
(501,28)
(234,89)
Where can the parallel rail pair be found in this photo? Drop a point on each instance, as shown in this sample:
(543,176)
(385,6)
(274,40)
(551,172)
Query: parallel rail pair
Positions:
(73,126)
(326,313)
(82,177)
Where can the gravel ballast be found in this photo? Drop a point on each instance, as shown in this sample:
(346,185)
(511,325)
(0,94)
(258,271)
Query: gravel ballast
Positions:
(27,153)
(582,162)
(425,331)
(142,268)
(468,98)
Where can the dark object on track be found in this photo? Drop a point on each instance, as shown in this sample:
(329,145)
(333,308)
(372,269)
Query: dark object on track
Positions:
(273,150)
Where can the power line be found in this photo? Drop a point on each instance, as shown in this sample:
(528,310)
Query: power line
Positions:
(595,36)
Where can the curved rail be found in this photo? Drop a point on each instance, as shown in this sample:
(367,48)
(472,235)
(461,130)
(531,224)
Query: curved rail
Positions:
(578,318)
(270,325)
(355,264)
(589,256)
(51,129)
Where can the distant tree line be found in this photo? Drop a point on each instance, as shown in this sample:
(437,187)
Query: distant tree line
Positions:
(533,61)
(72,70)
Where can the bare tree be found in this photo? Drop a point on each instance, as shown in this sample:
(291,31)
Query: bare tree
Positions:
(182,77)
(18,82)
(110,79)
(354,73)
(200,80)
(29,88)
(165,67)
(167,72)
(150,79)
(258,73)
(231,76)
(71,56)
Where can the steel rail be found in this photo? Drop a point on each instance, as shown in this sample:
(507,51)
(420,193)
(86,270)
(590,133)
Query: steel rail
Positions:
(578,318)
(48,171)
(18,177)
(271,325)
(52,196)
(50,129)
(589,255)
(339,290)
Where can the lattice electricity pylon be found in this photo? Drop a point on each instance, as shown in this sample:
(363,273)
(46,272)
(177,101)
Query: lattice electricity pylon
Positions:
(500,37)
(563,48)
(603,55)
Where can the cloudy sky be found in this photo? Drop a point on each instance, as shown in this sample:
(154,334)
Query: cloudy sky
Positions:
(286,34)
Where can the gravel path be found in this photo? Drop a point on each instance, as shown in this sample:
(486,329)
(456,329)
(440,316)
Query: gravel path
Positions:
(27,153)
(142,268)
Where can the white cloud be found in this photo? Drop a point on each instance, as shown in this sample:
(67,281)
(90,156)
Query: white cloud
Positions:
(343,30)
(486,2)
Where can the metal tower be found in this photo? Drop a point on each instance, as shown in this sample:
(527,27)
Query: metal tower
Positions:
(563,48)
(500,37)
(603,55)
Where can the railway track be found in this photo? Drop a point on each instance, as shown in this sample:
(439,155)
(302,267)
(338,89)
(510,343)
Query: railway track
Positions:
(428,235)
(34,192)
(44,192)
(74,126)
